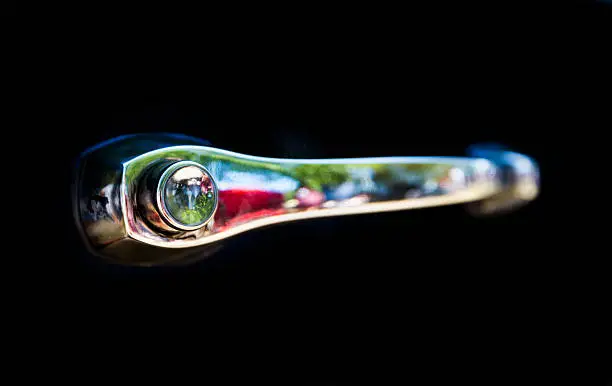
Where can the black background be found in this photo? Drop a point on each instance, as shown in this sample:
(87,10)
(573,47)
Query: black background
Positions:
(431,295)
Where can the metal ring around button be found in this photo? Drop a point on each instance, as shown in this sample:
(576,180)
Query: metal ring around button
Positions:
(193,201)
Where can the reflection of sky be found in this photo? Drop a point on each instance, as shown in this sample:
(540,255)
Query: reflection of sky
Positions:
(519,162)
(187,173)
(365,178)
(271,182)
(481,166)
(344,190)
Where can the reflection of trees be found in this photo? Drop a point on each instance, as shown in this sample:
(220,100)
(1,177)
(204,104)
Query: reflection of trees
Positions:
(415,173)
(204,206)
(316,176)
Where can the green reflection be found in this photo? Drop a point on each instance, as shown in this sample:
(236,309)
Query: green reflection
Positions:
(179,209)
(316,176)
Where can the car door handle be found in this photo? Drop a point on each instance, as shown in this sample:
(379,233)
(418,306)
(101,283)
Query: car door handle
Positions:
(151,199)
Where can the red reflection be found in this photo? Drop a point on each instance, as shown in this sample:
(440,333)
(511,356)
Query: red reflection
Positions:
(239,205)
(206,185)
(309,197)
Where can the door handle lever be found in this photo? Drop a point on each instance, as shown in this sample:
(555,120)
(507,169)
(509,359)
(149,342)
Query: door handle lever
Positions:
(151,199)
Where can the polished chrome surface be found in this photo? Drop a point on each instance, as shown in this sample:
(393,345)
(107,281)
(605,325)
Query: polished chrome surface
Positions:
(122,200)
(519,175)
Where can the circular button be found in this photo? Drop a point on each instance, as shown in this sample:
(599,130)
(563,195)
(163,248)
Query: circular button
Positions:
(187,195)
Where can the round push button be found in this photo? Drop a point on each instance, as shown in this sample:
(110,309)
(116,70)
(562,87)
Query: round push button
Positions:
(187,195)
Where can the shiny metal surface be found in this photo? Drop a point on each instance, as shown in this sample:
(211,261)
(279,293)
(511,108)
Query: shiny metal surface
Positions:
(121,219)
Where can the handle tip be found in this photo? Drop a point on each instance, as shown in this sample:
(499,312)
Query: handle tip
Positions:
(520,178)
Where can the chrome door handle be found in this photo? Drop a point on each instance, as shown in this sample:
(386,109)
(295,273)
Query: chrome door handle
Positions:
(163,198)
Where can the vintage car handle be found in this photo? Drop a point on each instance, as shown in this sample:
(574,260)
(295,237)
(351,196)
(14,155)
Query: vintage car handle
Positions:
(163,198)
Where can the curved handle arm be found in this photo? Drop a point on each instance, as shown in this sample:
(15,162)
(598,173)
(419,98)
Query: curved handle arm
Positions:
(181,196)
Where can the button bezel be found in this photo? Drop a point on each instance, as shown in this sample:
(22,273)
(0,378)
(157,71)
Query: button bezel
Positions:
(161,202)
